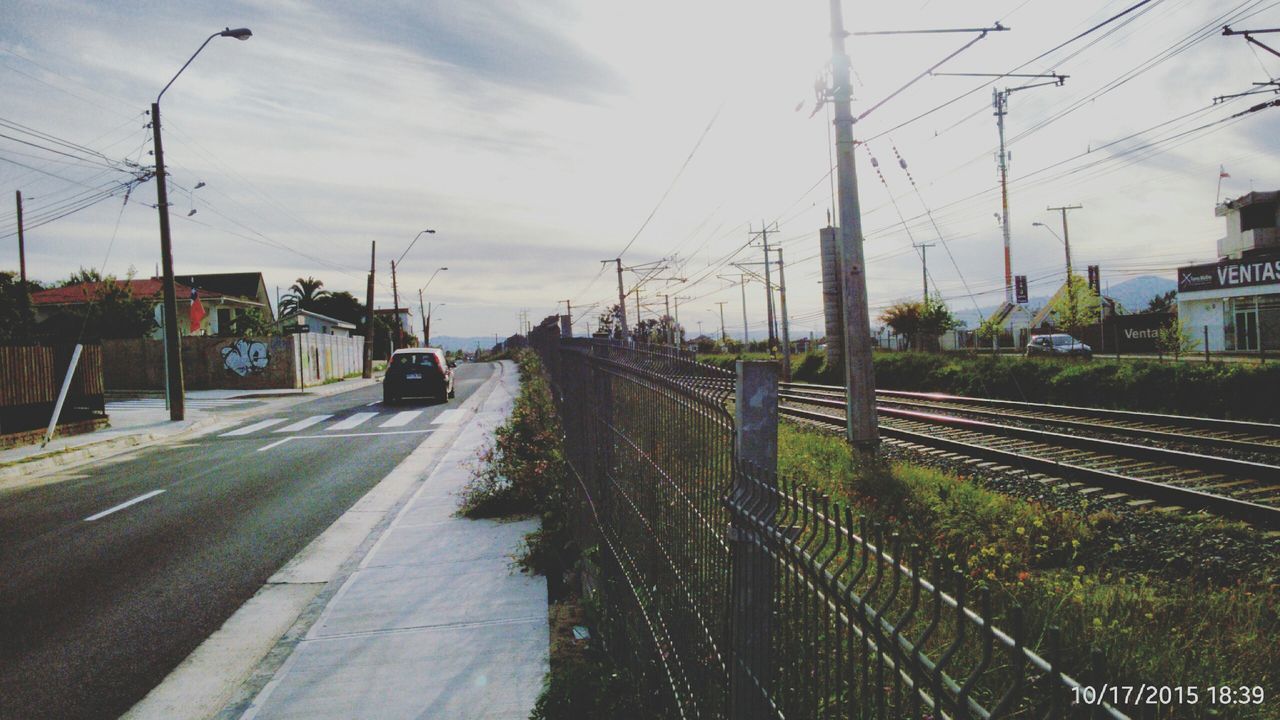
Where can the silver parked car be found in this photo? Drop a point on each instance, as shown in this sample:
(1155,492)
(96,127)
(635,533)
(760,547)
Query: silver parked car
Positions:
(1057,345)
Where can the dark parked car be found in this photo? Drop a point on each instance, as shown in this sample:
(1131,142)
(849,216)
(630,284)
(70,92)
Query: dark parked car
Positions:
(1057,345)
(418,373)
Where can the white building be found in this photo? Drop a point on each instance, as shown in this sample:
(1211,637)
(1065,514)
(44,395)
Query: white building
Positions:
(1234,303)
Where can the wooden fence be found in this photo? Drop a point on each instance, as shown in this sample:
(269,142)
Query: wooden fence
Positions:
(30,378)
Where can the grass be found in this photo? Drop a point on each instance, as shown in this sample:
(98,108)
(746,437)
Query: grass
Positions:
(1087,571)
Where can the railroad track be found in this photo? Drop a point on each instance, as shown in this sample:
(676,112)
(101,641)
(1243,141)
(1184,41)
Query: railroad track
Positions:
(1227,486)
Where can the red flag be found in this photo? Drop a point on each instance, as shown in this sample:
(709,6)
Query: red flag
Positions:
(197,311)
(1222,172)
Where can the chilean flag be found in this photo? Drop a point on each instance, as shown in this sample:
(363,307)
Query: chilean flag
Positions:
(197,311)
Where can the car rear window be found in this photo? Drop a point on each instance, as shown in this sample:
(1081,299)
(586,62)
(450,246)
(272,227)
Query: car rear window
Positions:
(419,359)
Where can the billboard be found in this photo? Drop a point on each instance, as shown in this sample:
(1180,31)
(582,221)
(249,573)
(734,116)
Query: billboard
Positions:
(1245,272)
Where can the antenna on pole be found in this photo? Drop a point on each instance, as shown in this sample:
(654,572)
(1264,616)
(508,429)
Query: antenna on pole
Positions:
(1000,101)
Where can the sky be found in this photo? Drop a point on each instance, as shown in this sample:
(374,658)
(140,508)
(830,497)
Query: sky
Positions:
(539,138)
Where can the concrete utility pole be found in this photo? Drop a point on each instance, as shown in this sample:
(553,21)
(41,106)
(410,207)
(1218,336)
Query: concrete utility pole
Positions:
(768,285)
(568,323)
(786,326)
(172,346)
(22,250)
(723,335)
(860,391)
(671,331)
(367,370)
(746,331)
(622,298)
(1066,246)
(924,269)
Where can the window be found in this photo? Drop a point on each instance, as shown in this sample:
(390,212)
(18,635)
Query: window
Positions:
(1258,216)
(224,321)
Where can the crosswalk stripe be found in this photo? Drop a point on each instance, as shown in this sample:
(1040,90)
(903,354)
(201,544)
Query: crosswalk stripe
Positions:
(254,427)
(449,417)
(303,424)
(352,421)
(401,418)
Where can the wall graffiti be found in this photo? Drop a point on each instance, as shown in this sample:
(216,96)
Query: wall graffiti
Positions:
(245,357)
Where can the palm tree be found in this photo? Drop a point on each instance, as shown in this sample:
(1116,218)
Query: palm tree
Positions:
(303,295)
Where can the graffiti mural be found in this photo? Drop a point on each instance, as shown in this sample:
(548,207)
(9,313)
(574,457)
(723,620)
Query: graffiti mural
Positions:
(245,357)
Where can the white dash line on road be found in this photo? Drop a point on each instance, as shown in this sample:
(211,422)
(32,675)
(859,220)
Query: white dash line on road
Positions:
(375,402)
(281,441)
(352,421)
(123,505)
(304,424)
(254,427)
(401,418)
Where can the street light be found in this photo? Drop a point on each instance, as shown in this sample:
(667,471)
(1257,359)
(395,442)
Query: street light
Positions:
(395,291)
(172,349)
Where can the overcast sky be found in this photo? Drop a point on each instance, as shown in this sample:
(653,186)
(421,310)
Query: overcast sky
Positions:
(536,138)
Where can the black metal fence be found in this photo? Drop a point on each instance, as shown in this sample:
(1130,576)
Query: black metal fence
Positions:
(746,596)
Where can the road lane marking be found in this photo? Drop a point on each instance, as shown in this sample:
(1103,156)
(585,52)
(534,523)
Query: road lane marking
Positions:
(254,427)
(304,424)
(449,417)
(123,505)
(401,418)
(375,402)
(281,441)
(363,434)
(353,421)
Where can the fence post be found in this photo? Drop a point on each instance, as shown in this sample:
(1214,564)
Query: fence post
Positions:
(752,575)
(1206,343)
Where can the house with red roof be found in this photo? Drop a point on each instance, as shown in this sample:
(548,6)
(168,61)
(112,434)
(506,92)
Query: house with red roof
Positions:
(213,315)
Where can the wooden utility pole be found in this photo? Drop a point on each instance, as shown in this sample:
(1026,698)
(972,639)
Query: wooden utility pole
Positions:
(395,295)
(723,335)
(367,370)
(860,387)
(22,250)
(1066,246)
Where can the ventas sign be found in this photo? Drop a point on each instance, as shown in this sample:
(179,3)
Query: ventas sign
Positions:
(1229,274)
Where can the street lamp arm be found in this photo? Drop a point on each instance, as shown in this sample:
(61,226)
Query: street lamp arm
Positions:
(238,33)
(415,239)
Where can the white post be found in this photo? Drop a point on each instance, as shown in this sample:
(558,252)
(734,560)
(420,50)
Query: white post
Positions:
(62,395)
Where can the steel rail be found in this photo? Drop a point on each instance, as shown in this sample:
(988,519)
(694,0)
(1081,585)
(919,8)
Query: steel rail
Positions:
(1224,506)
(1246,427)
(1163,435)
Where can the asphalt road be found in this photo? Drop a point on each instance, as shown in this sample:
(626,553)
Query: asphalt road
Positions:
(100,599)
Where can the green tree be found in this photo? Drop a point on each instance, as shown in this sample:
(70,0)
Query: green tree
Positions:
(84,275)
(1176,338)
(252,323)
(1165,302)
(17,320)
(1077,308)
(920,321)
(302,295)
(341,305)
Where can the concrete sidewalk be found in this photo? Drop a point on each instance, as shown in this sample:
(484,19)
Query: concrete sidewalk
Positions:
(139,426)
(433,622)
